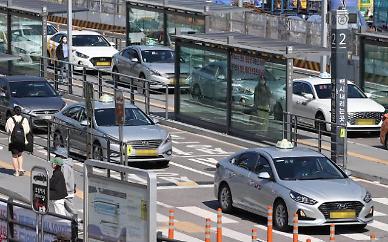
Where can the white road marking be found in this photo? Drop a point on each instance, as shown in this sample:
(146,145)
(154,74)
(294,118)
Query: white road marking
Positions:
(236,235)
(183,187)
(180,236)
(185,142)
(206,214)
(362,237)
(201,162)
(379,225)
(378,214)
(160,218)
(177,151)
(382,200)
(164,205)
(377,183)
(191,169)
(301,237)
(194,156)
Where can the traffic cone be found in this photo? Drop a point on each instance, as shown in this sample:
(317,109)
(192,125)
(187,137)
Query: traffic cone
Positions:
(254,235)
(269,224)
(295,230)
(332,232)
(219,225)
(207,230)
(171,224)
(372,236)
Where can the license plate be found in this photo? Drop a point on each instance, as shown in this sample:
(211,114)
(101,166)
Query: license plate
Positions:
(47,117)
(368,121)
(343,214)
(146,152)
(103,63)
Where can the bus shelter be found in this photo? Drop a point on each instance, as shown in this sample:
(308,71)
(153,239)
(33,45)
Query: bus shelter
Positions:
(154,22)
(236,84)
(23,32)
(373,66)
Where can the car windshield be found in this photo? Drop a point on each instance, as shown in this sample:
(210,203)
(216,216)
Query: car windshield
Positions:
(89,40)
(324,91)
(32,29)
(307,168)
(133,117)
(23,89)
(158,56)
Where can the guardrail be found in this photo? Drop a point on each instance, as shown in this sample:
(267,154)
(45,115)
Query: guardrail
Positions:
(318,138)
(153,95)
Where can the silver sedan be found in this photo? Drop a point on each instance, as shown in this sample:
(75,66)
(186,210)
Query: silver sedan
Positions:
(293,180)
(146,141)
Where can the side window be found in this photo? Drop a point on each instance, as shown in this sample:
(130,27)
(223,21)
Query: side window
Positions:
(57,37)
(125,53)
(133,54)
(82,115)
(263,166)
(306,88)
(247,161)
(73,112)
(297,88)
(51,30)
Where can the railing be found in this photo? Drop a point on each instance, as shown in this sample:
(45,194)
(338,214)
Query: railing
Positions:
(298,129)
(26,221)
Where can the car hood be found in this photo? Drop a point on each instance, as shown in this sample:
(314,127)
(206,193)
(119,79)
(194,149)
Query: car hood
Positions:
(132,133)
(358,105)
(40,103)
(96,51)
(328,190)
(166,68)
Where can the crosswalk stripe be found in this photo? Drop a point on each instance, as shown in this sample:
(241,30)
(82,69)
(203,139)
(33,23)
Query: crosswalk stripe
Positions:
(160,218)
(201,162)
(206,214)
(180,236)
(378,214)
(362,237)
(381,200)
(288,235)
(379,225)
(236,235)
(191,169)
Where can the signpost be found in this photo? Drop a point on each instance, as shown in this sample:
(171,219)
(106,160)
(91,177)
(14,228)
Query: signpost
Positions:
(120,118)
(89,104)
(39,197)
(339,93)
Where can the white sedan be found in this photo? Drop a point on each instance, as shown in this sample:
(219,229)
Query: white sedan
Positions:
(312,99)
(90,49)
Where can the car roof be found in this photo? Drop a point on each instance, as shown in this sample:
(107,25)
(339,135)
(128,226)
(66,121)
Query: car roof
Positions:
(21,78)
(101,105)
(150,47)
(317,80)
(275,152)
(80,32)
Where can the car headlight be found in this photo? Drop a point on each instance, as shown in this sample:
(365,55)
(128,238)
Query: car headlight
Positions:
(301,198)
(367,197)
(167,140)
(24,110)
(80,55)
(155,72)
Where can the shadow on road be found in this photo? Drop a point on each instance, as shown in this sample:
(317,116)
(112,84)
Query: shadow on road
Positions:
(6,171)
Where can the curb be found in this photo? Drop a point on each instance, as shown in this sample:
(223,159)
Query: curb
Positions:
(368,177)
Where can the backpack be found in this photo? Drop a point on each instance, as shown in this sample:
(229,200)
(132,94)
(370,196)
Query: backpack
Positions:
(17,135)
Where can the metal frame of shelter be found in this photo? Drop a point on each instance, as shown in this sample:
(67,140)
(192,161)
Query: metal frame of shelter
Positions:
(275,51)
(34,10)
(190,8)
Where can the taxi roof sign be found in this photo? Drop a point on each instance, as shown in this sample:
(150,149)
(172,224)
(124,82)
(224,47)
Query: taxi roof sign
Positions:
(106,98)
(284,144)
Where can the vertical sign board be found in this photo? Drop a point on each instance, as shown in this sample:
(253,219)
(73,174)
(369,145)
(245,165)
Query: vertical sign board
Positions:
(339,93)
(39,190)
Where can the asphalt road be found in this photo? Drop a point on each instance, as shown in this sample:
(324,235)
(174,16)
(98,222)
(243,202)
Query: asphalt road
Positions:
(186,186)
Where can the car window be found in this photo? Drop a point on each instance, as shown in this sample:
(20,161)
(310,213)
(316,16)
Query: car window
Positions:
(247,160)
(133,117)
(306,88)
(82,115)
(73,112)
(125,53)
(263,166)
(89,40)
(51,30)
(56,38)
(297,88)
(210,70)
(133,54)
(324,91)
(23,89)
(158,56)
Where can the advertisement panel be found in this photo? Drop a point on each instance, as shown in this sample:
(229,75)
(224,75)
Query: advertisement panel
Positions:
(350,4)
(117,210)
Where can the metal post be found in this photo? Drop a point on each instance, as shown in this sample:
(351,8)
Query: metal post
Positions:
(74,228)
(289,77)
(48,140)
(166,104)
(99,84)
(319,138)
(132,94)
(55,75)
(69,28)
(86,197)
(147,97)
(37,227)
(177,70)
(68,140)
(10,227)
(324,32)
(70,75)
(296,131)
(44,42)
(84,80)
(41,236)
(229,87)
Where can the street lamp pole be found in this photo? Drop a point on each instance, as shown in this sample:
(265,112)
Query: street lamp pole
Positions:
(70,27)
(324,29)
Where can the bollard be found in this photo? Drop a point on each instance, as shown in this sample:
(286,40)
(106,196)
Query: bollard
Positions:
(269,224)
(295,230)
(254,235)
(308,240)
(332,232)
(219,225)
(171,224)
(207,230)
(372,236)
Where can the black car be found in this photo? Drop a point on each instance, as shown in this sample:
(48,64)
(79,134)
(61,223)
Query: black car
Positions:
(37,98)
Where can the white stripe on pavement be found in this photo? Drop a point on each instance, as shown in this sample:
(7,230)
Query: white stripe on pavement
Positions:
(206,214)
(379,225)
(382,200)
(236,235)
(160,218)
(184,187)
(164,205)
(378,214)
(191,169)
(362,237)
(201,162)
(180,236)
(302,237)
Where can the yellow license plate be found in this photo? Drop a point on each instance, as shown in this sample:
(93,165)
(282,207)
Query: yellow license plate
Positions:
(146,152)
(343,214)
(103,63)
(367,121)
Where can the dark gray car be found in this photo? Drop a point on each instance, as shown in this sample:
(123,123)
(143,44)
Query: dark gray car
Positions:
(34,95)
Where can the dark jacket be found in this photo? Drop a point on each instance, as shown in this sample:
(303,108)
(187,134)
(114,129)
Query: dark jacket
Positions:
(57,185)
(59,52)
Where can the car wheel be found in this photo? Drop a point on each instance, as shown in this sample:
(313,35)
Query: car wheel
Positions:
(196,94)
(280,216)
(318,124)
(58,140)
(225,198)
(278,112)
(359,227)
(97,152)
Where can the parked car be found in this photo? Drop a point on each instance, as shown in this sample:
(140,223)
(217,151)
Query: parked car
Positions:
(90,49)
(384,131)
(146,140)
(312,99)
(153,63)
(34,95)
(292,180)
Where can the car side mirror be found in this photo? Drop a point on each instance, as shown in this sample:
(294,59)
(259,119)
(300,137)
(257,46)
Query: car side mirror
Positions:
(134,59)
(112,44)
(156,121)
(61,92)
(368,95)
(308,96)
(348,173)
(264,175)
(85,123)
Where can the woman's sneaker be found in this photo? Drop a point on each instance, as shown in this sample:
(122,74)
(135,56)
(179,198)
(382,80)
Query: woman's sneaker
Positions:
(16,173)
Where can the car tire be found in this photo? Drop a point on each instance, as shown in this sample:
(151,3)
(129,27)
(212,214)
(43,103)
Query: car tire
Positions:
(97,152)
(320,125)
(58,140)
(278,112)
(196,94)
(358,227)
(225,198)
(280,216)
